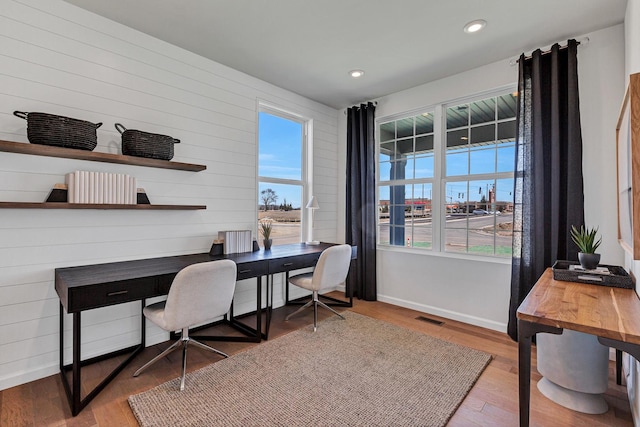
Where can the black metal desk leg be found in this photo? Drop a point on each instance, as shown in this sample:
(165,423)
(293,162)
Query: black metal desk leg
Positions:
(526,330)
(286,287)
(620,346)
(259,310)
(77,401)
(61,338)
(269,305)
(618,367)
(143,336)
(524,375)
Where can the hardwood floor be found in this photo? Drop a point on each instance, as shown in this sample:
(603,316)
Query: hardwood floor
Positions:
(493,401)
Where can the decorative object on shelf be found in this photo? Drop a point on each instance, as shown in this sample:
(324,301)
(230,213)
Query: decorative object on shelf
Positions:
(142,198)
(101,188)
(312,205)
(266,226)
(144,144)
(60,131)
(585,239)
(604,275)
(60,194)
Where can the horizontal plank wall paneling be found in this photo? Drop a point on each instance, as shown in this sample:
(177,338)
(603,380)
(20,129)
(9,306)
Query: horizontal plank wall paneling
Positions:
(59,59)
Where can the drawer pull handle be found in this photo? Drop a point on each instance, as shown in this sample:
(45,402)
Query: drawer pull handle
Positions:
(287,264)
(112,294)
(245,271)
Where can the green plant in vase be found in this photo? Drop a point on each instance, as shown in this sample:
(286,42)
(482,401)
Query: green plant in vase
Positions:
(585,239)
(266,226)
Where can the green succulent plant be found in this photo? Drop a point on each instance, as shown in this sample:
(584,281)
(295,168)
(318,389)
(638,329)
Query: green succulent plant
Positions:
(265,226)
(585,238)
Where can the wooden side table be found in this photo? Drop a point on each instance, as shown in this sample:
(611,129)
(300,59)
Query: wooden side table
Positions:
(611,314)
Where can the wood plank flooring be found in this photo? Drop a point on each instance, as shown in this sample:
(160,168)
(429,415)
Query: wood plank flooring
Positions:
(493,401)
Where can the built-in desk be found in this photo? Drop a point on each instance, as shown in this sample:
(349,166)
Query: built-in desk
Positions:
(611,314)
(87,287)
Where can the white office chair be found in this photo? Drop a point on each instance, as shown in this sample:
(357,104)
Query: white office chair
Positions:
(199,293)
(331,270)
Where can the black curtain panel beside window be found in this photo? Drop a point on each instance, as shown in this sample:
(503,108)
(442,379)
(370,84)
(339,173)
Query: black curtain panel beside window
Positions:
(548,178)
(361,200)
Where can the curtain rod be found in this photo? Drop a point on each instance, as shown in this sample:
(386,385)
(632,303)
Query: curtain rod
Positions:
(580,41)
(375,103)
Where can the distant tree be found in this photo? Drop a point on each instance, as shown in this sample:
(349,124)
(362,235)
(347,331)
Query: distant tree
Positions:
(284,206)
(269,197)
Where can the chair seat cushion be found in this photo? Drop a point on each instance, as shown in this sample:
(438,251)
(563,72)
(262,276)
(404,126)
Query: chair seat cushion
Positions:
(304,281)
(155,313)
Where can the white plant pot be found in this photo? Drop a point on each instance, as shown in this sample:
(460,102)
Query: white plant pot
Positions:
(575,367)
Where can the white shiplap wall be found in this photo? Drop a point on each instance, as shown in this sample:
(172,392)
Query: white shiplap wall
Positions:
(59,59)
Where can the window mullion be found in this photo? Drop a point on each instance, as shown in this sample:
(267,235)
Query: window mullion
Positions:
(437,215)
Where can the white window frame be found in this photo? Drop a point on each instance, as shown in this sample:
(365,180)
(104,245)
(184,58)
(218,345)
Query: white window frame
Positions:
(439,181)
(306,181)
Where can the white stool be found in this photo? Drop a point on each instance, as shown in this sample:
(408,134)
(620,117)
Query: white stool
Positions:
(575,367)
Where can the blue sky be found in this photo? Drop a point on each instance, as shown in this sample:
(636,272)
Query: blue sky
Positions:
(280,156)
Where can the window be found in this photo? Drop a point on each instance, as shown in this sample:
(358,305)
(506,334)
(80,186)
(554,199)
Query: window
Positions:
(406,178)
(446,177)
(281,173)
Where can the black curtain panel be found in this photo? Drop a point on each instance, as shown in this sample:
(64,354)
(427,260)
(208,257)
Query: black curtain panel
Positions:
(548,179)
(361,201)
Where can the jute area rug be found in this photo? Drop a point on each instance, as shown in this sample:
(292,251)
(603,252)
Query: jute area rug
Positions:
(354,372)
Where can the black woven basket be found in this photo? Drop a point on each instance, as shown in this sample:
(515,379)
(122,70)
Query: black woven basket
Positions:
(60,131)
(144,144)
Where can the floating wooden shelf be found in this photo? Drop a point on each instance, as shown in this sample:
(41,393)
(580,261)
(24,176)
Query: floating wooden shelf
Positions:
(71,153)
(59,205)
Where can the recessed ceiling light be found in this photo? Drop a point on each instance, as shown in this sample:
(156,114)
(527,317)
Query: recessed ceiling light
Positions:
(356,73)
(475,26)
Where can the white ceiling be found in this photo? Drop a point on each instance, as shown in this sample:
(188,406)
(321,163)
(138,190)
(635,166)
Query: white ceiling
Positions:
(308,47)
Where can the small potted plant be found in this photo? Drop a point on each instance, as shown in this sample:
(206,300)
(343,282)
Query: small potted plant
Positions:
(265,226)
(585,239)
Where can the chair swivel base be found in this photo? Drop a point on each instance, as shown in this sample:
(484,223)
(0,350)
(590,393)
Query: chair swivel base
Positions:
(316,302)
(184,341)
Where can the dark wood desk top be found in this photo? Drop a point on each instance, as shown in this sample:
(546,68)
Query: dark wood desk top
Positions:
(602,311)
(97,285)
(85,275)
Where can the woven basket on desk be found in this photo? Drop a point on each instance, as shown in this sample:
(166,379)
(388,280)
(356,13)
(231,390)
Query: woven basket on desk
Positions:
(144,144)
(616,277)
(60,131)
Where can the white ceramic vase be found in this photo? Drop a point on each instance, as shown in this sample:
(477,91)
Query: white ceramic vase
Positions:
(575,369)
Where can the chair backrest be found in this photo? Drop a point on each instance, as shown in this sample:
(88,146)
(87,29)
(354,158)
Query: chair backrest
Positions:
(332,267)
(199,293)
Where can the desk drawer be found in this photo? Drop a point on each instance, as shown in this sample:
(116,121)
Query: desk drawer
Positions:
(248,270)
(293,263)
(164,283)
(101,295)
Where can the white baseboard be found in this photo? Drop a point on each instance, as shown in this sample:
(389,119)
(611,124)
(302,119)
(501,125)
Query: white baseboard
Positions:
(24,377)
(448,314)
